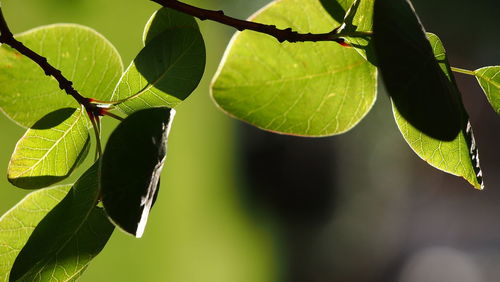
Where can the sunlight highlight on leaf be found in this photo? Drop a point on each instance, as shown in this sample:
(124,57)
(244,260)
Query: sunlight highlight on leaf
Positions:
(307,89)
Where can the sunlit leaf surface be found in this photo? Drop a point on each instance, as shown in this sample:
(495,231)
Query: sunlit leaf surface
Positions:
(50,150)
(489,79)
(309,89)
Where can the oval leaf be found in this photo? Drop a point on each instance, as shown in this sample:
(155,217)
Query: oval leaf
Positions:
(17,224)
(68,238)
(419,89)
(168,68)
(458,156)
(489,79)
(84,57)
(131,166)
(50,150)
(309,89)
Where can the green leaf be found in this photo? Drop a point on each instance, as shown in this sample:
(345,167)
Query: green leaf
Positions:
(17,224)
(131,166)
(337,8)
(489,79)
(68,238)
(164,19)
(413,78)
(458,156)
(84,57)
(309,89)
(360,18)
(50,150)
(168,68)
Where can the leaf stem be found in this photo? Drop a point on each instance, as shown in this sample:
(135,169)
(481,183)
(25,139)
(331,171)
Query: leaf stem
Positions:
(281,35)
(463,71)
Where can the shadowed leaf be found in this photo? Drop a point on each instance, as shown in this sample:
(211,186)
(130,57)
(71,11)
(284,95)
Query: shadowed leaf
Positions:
(50,150)
(458,156)
(308,89)
(17,224)
(419,89)
(68,238)
(336,8)
(489,79)
(168,68)
(131,167)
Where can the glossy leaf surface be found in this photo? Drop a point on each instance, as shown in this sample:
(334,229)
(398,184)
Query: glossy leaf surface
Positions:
(458,156)
(168,68)
(84,57)
(50,150)
(489,79)
(68,238)
(419,89)
(17,224)
(309,89)
(131,166)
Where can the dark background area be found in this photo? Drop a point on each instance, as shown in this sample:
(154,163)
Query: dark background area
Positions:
(240,204)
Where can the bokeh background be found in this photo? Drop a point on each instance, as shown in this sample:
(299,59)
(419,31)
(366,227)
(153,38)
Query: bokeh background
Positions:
(241,205)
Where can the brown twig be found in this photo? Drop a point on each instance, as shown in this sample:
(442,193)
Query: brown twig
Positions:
(280,34)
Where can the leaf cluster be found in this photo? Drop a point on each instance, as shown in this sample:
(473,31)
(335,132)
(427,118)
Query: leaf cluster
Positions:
(310,89)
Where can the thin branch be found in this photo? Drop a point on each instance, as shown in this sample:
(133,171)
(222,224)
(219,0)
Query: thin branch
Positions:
(280,34)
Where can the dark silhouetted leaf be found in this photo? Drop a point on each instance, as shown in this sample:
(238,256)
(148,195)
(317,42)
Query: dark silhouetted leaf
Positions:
(66,240)
(419,89)
(131,167)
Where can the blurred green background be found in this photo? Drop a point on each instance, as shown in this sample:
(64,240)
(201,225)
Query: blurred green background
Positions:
(238,204)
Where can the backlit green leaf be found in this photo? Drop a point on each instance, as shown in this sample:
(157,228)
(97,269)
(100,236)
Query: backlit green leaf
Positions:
(131,167)
(50,150)
(84,57)
(17,224)
(360,19)
(489,79)
(309,89)
(68,238)
(168,68)
(458,156)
